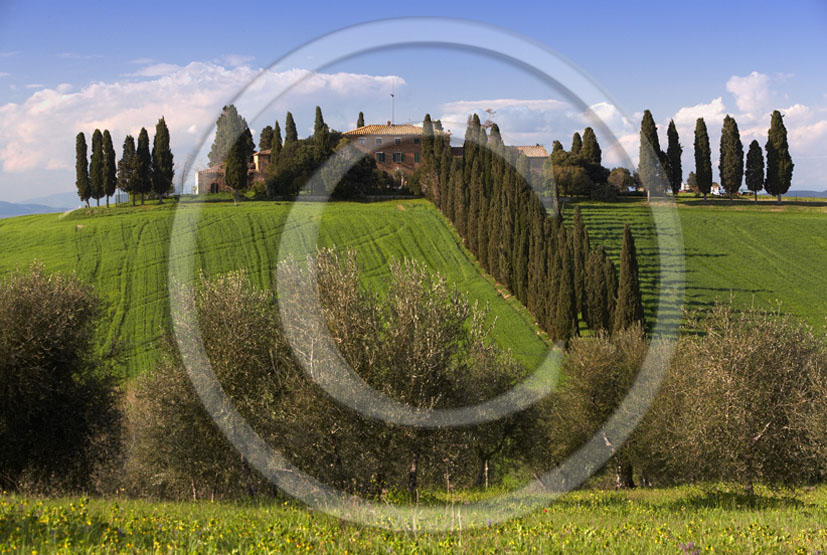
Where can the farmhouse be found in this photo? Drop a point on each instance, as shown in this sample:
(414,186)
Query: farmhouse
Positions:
(396,148)
(211,180)
(536,155)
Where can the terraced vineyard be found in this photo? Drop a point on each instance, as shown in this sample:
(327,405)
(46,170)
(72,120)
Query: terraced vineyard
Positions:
(123,253)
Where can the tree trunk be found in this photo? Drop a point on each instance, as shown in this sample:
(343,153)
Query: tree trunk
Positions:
(133,198)
(248,477)
(756,197)
(779,199)
(412,474)
(624,478)
(704,197)
(142,199)
(107,201)
(97,202)
(235,197)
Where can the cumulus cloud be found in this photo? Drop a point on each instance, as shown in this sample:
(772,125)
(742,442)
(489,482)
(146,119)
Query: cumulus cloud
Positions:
(752,92)
(233,60)
(39,133)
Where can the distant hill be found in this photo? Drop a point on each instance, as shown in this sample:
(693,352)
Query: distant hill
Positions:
(11,209)
(805,193)
(61,201)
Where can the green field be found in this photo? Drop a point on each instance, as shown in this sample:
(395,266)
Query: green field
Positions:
(123,253)
(644,521)
(756,254)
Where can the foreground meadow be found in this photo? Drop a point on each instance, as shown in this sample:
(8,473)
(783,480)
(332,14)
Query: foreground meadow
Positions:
(676,520)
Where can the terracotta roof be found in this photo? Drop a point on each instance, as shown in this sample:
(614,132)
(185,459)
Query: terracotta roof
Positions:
(533,151)
(262,152)
(388,129)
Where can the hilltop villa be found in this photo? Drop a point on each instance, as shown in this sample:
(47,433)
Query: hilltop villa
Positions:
(397,149)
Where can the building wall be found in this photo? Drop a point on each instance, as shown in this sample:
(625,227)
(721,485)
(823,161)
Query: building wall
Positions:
(394,153)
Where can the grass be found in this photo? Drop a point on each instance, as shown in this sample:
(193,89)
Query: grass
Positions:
(753,253)
(717,519)
(123,252)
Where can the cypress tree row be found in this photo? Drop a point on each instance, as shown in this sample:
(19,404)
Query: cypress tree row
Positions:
(82,183)
(650,168)
(549,268)
(754,174)
(275,144)
(576,144)
(703,158)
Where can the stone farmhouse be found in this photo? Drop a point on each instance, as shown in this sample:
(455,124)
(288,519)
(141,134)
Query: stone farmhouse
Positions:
(397,149)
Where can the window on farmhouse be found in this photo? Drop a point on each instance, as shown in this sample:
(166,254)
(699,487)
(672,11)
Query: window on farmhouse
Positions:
(398,156)
(380,156)
(362,140)
(379,140)
(417,157)
(416,140)
(397,141)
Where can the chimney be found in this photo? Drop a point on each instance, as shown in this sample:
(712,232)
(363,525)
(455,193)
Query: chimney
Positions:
(389,123)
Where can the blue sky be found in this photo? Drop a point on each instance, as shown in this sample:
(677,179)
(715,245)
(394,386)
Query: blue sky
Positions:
(68,67)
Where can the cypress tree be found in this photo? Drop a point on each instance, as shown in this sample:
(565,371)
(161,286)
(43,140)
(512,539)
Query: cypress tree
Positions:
(228,127)
(236,166)
(126,167)
(629,307)
(96,167)
(576,144)
(579,251)
(590,151)
(482,237)
(110,173)
(143,165)
(674,150)
(320,130)
(754,173)
(275,144)
(597,292)
(731,162)
(360,121)
(460,207)
(610,279)
(162,164)
(650,168)
(290,133)
(779,162)
(427,149)
(565,316)
(82,183)
(703,158)
(265,139)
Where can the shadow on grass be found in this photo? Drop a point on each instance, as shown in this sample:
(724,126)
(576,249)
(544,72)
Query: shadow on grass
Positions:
(733,500)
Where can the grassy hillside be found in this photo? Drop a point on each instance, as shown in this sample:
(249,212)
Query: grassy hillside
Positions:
(756,253)
(123,252)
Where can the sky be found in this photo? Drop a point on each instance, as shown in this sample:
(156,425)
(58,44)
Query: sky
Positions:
(69,67)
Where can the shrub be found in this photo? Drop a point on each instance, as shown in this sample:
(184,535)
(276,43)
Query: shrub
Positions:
(742,401)
(59,418)
(422,344)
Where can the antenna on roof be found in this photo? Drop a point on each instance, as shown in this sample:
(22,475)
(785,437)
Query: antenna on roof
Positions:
(393,101)
(490,120)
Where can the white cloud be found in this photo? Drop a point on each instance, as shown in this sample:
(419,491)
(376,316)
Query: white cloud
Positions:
(752,92)
(142,61)
(35,86)
(190,98)
(712,111)
(155,70)
(3,74)
(9,54)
